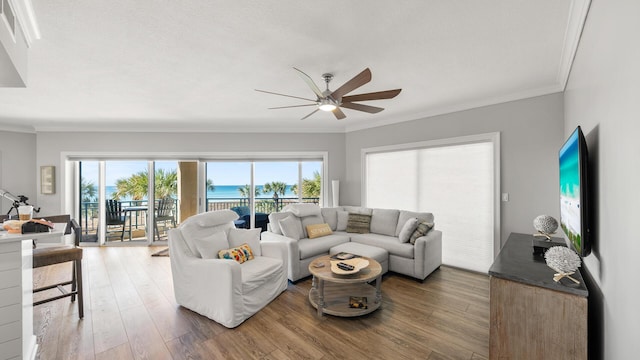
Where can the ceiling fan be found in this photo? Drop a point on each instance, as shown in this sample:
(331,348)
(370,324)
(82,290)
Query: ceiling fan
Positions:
(334,100)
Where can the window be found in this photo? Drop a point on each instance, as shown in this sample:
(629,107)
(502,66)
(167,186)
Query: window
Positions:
(262,187)
(456,180)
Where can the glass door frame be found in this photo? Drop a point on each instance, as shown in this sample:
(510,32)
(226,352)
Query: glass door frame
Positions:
(70,175)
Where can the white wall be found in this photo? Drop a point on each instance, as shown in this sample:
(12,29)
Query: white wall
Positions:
(51,145)
(18,166)
(530,136)
(602,96)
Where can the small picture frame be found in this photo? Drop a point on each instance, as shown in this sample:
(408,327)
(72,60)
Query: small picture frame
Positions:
(47,180)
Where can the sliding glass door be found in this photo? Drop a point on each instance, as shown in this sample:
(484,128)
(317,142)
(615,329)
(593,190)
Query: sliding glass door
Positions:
(254,189)
(138,200)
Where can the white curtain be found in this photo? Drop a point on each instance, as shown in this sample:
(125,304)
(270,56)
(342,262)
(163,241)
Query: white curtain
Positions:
(454,182)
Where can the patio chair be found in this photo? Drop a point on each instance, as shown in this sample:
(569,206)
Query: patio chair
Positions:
(165,213)
(115,215)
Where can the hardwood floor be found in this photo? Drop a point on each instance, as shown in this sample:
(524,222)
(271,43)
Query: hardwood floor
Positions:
(131,313)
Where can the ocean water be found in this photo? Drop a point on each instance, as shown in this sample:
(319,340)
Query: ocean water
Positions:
(222,192)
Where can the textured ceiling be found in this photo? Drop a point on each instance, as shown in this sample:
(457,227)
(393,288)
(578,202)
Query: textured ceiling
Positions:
(193,65)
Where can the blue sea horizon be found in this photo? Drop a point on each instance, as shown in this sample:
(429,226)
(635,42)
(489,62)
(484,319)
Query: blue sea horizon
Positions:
(222,192)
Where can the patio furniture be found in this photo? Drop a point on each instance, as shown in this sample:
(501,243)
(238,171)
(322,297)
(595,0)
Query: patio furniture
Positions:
(262,219)
(129,213)
(58,254)
(165,213)
(114,215)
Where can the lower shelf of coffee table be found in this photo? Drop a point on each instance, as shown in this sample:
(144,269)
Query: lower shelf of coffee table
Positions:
(336,298)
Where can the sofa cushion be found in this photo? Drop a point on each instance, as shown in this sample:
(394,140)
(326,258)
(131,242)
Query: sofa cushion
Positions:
(357,210)
(237,237)
(423,228)
(309,220)
(291,227)
(274,219)
(209,246)
(359,223)
(303,209)
(259,271)
(313,247)
(330,216)
(384,221)
(240,254)
(406,215)
(318,230)
(408,229)
(343,220)
(389,243)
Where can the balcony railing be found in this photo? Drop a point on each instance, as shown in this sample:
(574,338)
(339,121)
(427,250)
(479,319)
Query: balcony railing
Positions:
(90,215)
(266,206)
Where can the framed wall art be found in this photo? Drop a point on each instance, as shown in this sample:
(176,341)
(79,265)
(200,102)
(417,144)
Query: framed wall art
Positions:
(47,180)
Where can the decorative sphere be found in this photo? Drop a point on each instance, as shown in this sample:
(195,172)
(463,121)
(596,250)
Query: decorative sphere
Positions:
(545,224)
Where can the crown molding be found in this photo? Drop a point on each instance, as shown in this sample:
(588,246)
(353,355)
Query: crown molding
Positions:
(26,16)
(573,32)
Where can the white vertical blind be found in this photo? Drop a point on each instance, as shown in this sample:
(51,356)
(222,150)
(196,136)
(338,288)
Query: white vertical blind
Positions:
(392,180)
(454,182)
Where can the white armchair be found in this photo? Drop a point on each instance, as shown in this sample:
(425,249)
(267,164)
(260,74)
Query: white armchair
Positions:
(224,290)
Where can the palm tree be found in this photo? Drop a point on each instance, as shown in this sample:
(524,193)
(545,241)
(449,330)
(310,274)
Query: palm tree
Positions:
(88,190)
(246,190)
(137,185)
(277,187)
(210,186)
(310,187)
(89,194)
(166,183)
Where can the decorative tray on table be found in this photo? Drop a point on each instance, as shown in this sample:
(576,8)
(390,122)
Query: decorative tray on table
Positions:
(347,267)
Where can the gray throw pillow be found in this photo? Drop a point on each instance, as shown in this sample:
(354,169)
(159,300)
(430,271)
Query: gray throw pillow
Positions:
(422,230)
(408,229)
(359,223)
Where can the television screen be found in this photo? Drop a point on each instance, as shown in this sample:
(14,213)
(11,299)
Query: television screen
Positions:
(573,178)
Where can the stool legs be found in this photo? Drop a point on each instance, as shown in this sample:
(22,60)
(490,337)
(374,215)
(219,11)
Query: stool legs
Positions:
(77,273)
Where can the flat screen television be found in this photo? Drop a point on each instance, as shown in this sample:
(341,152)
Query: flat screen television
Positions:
(574,196)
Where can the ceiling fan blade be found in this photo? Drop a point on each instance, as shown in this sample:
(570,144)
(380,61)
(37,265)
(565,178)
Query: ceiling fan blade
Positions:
(339,114)
(313,112)
(360,107)
(379,95)
(355,82)
(291,106)
(310,82)
(291,96)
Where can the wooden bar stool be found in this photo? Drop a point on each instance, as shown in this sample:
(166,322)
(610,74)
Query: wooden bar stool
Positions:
(52,255)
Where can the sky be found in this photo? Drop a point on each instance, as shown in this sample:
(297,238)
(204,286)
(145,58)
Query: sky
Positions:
(222,173)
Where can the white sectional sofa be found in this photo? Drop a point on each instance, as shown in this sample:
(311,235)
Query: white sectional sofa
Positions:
(417,260)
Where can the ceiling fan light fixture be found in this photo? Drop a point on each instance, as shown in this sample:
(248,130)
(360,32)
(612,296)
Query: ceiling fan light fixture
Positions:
(326,105)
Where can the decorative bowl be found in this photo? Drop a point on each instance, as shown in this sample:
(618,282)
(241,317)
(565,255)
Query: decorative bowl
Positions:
(358,264)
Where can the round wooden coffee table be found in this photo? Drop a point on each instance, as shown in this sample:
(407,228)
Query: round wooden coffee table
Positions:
(330,293)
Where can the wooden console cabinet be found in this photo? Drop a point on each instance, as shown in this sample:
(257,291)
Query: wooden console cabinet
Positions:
(532,316)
